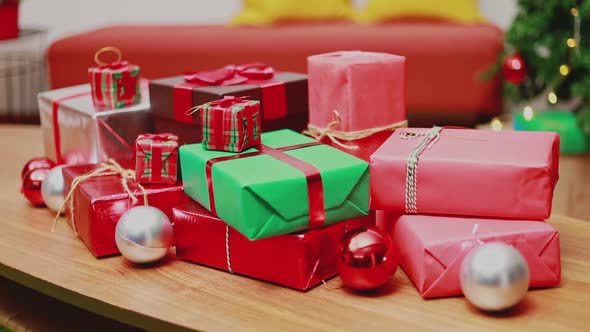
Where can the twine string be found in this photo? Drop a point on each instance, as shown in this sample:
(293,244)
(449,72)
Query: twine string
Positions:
(476,239)
(107,49)
(195,109)
(427,138)
(110,167)
(227,256)
(337,136)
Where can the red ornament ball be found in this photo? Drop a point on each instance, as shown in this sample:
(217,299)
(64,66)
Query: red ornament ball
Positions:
(367,259)
(35,163)
(31,188)
(514,69)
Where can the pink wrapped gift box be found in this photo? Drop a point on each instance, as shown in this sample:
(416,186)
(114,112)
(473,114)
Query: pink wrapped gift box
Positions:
(366,88)
(508,174)
(353,91)
(433,248)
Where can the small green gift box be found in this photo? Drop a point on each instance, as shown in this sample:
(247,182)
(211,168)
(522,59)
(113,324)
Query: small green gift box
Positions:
(287,184)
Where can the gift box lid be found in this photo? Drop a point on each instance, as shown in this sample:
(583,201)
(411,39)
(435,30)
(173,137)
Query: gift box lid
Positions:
(262,196)
(82,101)
(347,58)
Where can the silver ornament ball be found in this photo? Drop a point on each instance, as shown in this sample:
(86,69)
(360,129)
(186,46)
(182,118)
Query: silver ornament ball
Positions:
(494,276)
(144,234)
(52,189)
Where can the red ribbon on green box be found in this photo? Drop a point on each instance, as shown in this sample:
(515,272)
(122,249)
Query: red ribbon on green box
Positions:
(315,188)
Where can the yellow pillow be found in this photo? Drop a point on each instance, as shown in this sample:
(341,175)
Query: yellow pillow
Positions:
(463,11)
(263,12)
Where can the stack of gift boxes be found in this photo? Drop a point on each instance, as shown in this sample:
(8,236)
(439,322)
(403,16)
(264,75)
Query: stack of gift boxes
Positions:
(251,195)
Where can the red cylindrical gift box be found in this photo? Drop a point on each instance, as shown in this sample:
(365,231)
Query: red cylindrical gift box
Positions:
(9,20)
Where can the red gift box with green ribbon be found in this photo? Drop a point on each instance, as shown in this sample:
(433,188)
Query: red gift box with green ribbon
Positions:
(231,124)
(116,84)
(156,157)
(283,97)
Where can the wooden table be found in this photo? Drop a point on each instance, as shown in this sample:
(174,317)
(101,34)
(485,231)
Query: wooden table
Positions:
(179,295)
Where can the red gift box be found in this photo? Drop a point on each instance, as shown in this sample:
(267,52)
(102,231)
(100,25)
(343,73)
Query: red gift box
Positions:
(299,260)
(99,202)
(156,157)
(9,20)
(231,124)
(433,249)
(115,84)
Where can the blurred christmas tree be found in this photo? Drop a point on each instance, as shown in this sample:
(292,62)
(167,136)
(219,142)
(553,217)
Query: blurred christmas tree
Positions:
(546,63)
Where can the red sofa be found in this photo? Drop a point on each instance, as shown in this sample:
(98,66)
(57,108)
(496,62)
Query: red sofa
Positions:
(443,68)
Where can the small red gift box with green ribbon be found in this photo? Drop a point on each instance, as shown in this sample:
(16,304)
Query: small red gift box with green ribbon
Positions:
(231,124)
(115,84)
(156,156)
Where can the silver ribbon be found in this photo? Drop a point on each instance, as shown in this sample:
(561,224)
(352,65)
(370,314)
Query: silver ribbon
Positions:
(429,137)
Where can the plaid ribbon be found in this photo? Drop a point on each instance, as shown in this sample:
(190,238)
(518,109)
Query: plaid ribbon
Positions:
(156,157)
(115,86)
(231,124)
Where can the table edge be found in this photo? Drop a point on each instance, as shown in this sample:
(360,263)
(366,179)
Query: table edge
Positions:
(88,303)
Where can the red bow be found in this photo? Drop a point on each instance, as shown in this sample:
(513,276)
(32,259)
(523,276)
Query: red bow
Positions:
(232,74)
(115,65)
(159,137)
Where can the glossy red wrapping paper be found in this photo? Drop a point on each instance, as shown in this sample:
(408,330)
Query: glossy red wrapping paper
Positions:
(507,174)
(299,260)
(99,203)
(433,249)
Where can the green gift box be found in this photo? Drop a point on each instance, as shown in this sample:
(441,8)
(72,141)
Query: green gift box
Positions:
(268,191)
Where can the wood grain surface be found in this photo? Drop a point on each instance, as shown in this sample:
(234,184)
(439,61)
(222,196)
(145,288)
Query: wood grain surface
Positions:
(180,295)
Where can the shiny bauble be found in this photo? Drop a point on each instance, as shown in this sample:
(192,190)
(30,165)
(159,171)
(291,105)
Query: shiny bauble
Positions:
(514,69)
(31,187)
(52,189)
(367,259)
(494,276)
(144,234)
(36,163)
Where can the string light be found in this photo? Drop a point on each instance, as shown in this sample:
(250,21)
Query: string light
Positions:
(564,70)
(571,42)
(496,124)
(528,113)
(552,97)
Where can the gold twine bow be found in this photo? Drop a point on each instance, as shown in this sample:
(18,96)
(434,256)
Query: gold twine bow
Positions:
(225,102)
(110,167)
(107,49)
(337,136)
